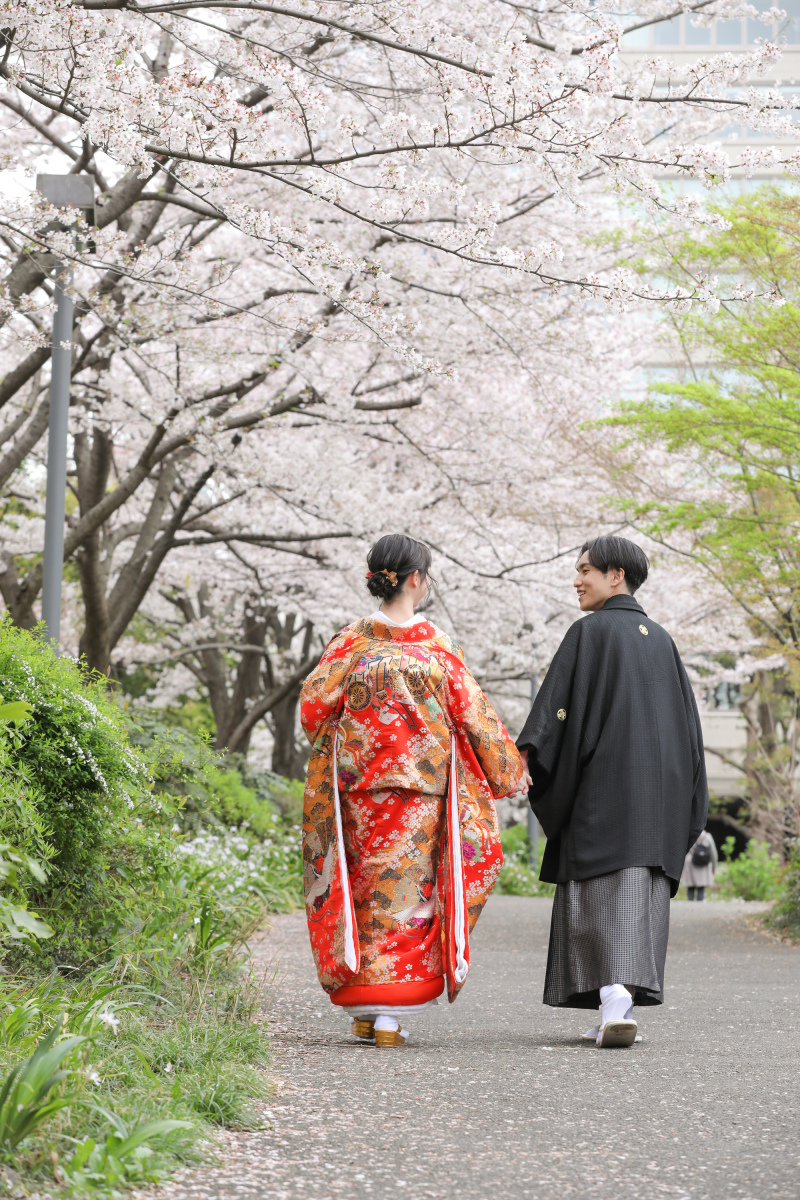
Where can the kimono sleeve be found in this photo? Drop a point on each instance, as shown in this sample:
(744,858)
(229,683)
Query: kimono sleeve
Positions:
(552,713)
(475,718)
(699,813)
(322,691)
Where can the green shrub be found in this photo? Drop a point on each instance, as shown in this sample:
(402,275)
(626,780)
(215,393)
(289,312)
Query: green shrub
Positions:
(211,788)
(238,805)
(786,913)
(16,920)
(754,875)
(77,770)
(182,765)
(520,877)
(283,795)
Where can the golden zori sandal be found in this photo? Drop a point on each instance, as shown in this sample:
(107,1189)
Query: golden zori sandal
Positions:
(362,1029)
(389,1037)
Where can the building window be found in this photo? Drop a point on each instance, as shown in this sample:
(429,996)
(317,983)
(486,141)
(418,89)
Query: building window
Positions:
(680,32)
(727,696)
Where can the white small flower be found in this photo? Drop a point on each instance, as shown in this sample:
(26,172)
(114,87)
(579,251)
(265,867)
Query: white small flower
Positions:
(108,1018)
(167,1068)
(92,1075)
(197,920)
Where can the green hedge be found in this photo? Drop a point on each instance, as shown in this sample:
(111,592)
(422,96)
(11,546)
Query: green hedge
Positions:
(75,774)
(111,801)
(786,913)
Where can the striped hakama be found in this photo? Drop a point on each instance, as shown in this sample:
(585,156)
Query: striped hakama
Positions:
(610,929)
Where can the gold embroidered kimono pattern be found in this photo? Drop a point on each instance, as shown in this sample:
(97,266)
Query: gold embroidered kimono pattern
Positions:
(401,846)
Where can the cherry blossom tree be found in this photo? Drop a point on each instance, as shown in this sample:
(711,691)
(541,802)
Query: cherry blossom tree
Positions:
(345,278)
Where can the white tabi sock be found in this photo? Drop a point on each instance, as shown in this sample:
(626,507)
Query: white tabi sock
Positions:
(616,1003)
(390,1024)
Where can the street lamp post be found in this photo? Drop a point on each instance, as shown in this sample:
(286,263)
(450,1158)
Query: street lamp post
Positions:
(65,191)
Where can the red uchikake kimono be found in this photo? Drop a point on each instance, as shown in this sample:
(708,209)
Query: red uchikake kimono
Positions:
(410,812)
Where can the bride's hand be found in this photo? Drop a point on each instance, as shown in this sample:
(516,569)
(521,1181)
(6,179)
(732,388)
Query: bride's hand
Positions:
(523,785)
(526,781)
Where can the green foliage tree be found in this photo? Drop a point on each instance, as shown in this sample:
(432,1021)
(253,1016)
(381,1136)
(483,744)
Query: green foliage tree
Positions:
(734,425)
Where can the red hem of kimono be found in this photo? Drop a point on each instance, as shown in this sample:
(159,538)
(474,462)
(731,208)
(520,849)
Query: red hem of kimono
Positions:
(417,992)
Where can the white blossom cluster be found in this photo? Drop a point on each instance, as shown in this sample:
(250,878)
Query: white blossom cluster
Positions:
(238,866)
(461,114)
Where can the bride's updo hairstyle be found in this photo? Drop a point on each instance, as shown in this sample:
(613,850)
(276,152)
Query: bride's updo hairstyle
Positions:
(391,560)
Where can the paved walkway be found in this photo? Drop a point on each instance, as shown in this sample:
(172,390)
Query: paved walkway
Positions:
(497,1097)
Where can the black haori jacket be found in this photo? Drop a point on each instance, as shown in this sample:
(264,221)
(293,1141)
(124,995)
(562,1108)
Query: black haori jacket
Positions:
(615,750)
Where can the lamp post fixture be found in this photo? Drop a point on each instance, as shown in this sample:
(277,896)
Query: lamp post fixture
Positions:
(65,191)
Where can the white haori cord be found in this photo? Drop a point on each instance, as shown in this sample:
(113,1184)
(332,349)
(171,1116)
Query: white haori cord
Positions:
(350,947)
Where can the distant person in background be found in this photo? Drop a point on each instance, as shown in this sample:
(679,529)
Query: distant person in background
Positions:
(700,866)
(614,755)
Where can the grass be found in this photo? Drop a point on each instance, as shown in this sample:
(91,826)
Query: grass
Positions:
(119,1077)
(520,877)
(159,1041)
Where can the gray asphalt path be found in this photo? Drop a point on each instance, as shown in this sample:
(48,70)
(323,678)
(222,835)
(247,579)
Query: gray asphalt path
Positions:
(496,1096)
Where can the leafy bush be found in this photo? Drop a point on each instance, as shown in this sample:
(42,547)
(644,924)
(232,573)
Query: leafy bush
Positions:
(786,913)
(182,765)
(239,805)
(21,822)
(111,1075)
(519,877)
(210,788)
(754,875)
(77,770)
(15,919)
(282,795)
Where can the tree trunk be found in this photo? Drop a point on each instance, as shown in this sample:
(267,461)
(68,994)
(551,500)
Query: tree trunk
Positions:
(248,676)
(286,757)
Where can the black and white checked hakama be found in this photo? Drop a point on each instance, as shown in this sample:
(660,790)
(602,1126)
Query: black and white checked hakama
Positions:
(611,929)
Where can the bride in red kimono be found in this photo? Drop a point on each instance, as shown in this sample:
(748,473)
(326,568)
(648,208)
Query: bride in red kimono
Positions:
(401,846)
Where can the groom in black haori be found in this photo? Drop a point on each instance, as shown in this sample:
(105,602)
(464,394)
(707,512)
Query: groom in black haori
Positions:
(617,776)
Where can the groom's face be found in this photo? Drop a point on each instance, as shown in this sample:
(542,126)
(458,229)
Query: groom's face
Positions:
(593,587)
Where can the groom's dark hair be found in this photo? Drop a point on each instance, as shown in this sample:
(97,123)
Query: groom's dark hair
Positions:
(618,554)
